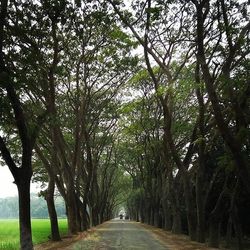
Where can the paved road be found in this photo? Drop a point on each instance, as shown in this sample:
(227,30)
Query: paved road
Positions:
(122,235)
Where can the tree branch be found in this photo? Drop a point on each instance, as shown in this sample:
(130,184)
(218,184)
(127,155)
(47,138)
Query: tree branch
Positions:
(7,158)
(141,41)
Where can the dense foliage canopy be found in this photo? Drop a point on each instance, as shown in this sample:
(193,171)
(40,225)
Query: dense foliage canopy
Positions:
(142,104)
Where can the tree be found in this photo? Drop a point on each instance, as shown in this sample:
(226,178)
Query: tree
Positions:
(27,130)
(234,52)
(163,53)
(226,56)
(179,47)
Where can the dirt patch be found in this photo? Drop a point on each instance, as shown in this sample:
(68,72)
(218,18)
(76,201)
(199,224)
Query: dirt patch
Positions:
(67,241)
(64,243)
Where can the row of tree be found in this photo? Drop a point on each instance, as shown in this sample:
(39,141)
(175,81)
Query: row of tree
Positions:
(85,111)
(61,66)
(187,134)
(9,207)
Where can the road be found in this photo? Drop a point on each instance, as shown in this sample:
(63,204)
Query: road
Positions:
(122,235)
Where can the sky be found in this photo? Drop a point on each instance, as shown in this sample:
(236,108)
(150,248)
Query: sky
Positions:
(7,187)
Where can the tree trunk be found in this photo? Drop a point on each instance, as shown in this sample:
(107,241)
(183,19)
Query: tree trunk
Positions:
(200,204)
(157,218)
(229,232)
(79,215)
(200,180)
(55,235)
(137,219)
(190,209)
(166,209)
(148,209)
(167,216)
(95,218)
(24,214)
(237,228)
(142,211)
(151,215)
(82,215)
(175,203)
(176,226)
(90,216)
(71,209)
(85,217)
(215,218)
(214,232)
(201,229)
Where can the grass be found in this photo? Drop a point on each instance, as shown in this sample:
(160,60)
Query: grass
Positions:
(9,232)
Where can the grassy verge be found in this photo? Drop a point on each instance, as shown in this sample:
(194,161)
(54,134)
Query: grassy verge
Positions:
(9,232)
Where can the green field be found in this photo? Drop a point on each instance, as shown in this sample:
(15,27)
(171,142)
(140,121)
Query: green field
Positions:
(9,232)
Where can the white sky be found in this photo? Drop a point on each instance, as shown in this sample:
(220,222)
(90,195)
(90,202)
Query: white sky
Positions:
(7,187)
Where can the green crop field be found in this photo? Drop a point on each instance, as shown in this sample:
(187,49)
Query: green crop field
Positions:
(9,232)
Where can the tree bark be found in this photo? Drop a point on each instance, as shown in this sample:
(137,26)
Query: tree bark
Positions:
(71,209)
(175,194)
(216,216)
(237,228)
(167,216)
(234,217)
(49,197)
(23,186)
(142,210)
(229,232)
(201,168)
(176,226)
(214,232)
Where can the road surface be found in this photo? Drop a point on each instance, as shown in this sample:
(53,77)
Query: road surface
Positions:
(122,235)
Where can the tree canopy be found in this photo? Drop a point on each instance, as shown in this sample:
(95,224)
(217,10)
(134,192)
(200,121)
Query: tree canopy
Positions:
(142,105)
